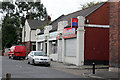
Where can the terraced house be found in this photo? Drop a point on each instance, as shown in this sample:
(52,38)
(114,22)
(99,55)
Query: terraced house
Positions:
(29,33)
(92,43)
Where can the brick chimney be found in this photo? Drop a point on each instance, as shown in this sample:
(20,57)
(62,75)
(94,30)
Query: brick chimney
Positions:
(48,19)
(114,58)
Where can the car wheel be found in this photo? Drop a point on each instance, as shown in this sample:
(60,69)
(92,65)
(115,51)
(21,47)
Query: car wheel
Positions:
(33,62)
(28,62)
(48,65)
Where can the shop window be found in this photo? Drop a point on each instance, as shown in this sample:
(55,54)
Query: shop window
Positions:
(34,47)
(54,47)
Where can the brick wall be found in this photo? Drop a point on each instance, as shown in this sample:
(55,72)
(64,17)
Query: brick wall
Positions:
(100,16)
(114,57)
(27,45)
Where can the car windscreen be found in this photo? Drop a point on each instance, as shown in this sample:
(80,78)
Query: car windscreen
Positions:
(39,54)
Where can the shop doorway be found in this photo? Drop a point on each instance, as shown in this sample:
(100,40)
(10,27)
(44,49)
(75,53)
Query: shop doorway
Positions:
(60,51)
(46,48)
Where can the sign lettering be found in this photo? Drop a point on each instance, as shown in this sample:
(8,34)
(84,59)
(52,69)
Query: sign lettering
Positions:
(69,33)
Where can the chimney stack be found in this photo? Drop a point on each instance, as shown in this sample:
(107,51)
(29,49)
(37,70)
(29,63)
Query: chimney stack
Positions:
(48,19)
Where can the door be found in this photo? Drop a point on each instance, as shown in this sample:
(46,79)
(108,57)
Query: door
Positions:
(46,48)
(60,50)
(70,47)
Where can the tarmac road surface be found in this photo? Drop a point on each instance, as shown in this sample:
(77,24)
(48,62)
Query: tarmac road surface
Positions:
(20,69)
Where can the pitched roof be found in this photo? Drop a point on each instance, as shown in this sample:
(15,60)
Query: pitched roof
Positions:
(35,24)
(86,12)
(54,24)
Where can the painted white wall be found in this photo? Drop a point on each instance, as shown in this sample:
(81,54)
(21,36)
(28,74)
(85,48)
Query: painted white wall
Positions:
(54,57)
(33,35)
(80,41)
(28,32)
(36,46)
(48,46)
(61,26)
(80,46)
(71,60)
(63,49)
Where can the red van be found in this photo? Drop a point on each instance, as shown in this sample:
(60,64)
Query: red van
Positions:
(17,52)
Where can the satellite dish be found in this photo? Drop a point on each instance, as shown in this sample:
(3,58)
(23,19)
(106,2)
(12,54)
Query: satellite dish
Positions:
(37,31)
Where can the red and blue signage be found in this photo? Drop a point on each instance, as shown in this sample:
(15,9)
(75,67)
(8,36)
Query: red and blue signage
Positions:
(74,22)
(69,33)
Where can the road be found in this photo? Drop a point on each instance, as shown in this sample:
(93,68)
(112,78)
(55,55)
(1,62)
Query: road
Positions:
(20,69)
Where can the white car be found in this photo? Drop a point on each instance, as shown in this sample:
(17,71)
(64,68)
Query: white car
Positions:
(38,57)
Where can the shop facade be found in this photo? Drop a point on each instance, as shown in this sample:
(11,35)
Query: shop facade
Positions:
(47,42)
(86,43)
(53,45)
(68,39)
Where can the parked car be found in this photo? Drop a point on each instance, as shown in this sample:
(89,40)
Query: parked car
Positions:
(17,52)
(38,57)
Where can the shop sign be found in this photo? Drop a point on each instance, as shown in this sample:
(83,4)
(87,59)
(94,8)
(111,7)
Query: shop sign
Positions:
(41,37)
(59,37)
(69,33)
(74,22)
(53,34)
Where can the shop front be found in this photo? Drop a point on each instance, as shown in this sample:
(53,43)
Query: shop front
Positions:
(53,45)
(70,42)
(40,43)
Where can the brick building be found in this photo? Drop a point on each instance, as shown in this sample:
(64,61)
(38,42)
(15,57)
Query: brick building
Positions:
(114,57)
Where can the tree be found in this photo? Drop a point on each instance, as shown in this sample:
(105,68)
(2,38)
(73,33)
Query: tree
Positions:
(89,4)
(31,10)
(25,10)
(9,35)
(16,14)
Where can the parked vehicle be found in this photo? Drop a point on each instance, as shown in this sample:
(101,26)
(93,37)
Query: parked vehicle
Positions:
(17,52)
(38,57)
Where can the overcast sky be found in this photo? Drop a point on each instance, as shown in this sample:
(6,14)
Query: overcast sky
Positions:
(55,8)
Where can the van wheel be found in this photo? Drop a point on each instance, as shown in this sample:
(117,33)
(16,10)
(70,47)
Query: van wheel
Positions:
(9,57)
(24,58)
(14,58)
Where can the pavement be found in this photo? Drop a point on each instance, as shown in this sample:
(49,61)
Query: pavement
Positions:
(86,71)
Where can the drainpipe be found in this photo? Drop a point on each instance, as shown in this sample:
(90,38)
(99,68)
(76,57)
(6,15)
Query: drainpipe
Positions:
(30,40)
